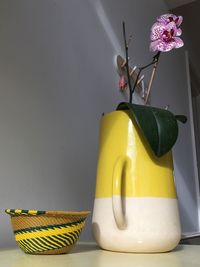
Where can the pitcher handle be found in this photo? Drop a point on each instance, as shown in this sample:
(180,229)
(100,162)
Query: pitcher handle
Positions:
(121,167)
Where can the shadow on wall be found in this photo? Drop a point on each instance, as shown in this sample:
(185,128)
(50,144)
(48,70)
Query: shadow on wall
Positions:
(186,194)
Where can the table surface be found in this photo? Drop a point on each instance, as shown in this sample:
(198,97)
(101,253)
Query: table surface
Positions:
(90,255)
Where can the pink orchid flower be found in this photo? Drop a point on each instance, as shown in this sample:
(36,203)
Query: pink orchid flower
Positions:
(164,37)
(167,18)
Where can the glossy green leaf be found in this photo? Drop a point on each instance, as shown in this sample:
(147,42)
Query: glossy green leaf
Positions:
(159,126)
(181,118)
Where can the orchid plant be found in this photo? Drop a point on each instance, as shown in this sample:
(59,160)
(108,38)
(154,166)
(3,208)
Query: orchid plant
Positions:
(159,126)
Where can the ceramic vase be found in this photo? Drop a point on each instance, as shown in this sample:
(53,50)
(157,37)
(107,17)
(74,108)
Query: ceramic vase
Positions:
(135,207)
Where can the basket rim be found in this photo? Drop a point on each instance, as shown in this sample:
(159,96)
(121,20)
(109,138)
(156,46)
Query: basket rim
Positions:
(18,212)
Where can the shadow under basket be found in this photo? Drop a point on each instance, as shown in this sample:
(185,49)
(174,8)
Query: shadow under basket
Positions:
(47,232)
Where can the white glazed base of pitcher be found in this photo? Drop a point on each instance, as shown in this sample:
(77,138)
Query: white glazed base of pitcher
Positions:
(153,225)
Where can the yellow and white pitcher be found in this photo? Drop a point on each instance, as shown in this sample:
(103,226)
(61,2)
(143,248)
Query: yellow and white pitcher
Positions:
(135,208)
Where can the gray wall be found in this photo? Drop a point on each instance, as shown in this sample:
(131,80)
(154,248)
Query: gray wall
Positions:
(190,26)
(174,91)
(57,75)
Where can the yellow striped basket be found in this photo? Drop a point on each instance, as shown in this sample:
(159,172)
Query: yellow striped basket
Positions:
(47,232)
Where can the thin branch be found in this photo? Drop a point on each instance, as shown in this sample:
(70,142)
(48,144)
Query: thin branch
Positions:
(156,58)
(127,63)
(138,78)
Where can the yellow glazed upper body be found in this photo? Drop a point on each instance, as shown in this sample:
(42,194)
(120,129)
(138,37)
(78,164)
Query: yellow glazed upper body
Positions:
(125,157)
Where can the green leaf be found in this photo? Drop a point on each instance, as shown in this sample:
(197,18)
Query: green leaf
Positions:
(181,118)
(159,126)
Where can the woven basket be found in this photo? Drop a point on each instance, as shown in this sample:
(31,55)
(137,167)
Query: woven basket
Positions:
(47,232)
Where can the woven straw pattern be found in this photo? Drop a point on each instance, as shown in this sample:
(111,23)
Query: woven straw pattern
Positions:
(47,232)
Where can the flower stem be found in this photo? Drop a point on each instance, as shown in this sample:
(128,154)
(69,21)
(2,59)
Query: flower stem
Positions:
(156,59)
(153,62)
(136,81)
(127,63)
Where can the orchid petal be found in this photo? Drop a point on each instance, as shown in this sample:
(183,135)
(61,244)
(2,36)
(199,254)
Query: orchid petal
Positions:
(180,20)
(162,46)
(154,46)
(164,18)
(171,26)
(167,18)
(156,31)
(168,46)
(178,42)
(178,32)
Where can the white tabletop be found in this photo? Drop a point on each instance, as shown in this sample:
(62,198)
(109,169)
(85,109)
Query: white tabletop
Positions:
(89,255)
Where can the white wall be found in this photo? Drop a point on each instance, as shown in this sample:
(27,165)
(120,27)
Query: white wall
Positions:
(57,76)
